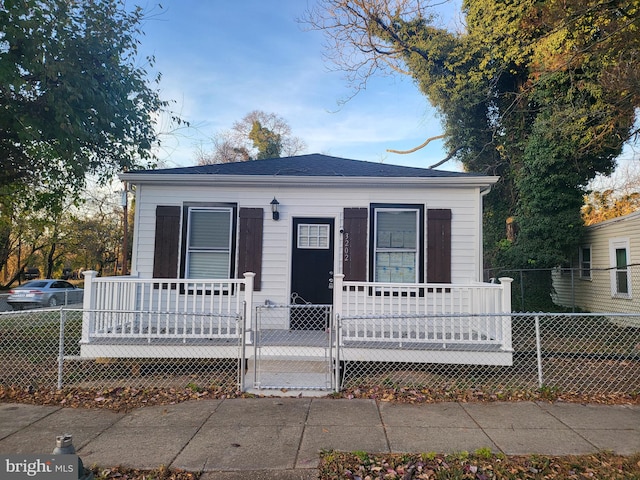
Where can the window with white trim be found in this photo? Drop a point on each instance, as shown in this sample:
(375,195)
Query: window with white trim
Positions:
(585,262)
(209,242)
(619,258)
(396,240)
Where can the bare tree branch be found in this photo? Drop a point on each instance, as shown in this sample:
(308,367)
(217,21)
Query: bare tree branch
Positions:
(353,40)
(445,159)
(426,142)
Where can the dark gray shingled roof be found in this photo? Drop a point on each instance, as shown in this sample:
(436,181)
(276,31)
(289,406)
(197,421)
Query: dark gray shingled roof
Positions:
(313,165)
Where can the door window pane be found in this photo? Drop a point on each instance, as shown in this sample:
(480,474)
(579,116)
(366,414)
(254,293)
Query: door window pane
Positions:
(313,236)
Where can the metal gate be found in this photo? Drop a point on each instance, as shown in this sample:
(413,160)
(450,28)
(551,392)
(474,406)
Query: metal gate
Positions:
(293,349)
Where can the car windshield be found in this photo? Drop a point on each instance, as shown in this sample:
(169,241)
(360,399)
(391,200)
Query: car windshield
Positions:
(34,285)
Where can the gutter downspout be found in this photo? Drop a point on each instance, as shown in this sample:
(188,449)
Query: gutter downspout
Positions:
(483,192)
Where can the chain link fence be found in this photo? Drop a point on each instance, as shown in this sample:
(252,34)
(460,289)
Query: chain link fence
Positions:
(573,289)
(585,354)
(293,348)
(41,349)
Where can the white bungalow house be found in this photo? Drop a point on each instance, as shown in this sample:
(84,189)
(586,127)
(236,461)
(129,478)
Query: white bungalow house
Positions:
(608,275)
(384,260)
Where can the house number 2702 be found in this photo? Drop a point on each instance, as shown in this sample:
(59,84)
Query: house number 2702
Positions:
(347,247)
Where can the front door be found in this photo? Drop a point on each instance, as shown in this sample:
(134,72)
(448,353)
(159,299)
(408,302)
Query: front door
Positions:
(311,271)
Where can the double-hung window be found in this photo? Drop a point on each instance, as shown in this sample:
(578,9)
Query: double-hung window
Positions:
(396,254)
(209,242)
(585,262)
(619,257)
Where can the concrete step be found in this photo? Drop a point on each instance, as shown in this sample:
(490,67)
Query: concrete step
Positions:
(288,375)
(290,365)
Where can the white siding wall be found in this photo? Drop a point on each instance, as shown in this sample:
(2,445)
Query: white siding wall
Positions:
(312,202)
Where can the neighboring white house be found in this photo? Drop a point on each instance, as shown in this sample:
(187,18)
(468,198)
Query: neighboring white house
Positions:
(608,274)
(368,239)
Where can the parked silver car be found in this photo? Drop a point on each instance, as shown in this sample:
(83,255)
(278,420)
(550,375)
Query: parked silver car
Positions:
(45,293)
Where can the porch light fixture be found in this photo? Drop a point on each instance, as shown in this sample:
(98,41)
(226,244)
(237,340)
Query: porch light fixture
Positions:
(274,209)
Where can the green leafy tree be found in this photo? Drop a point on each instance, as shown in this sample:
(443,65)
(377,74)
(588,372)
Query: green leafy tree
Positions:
(74,97)
(26,239)
(543,94)
(268,143)
(95,242)
(75,100)
(258,135)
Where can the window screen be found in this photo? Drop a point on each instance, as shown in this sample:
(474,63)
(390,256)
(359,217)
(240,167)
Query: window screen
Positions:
(209,243)
(396,240)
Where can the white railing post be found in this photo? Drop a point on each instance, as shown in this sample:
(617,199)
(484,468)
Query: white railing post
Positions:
(338,282)
(506,293)
(249,278)
(505,282)
(88,305)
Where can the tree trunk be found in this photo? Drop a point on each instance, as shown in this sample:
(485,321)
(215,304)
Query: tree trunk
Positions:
(50,261)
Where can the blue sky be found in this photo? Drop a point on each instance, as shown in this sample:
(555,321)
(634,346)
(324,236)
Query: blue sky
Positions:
(222,59)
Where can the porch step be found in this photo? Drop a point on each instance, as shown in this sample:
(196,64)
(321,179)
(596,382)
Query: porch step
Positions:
(291,365)
(288,376)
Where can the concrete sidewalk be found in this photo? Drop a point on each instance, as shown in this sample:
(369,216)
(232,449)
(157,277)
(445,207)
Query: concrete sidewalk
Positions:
(265,438)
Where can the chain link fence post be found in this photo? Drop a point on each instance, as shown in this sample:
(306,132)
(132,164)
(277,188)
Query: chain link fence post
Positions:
(336,364)
(538,351)
(61,348)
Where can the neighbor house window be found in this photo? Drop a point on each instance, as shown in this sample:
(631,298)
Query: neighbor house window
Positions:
(619,257)
(585,262)
(209,243)
(396,241)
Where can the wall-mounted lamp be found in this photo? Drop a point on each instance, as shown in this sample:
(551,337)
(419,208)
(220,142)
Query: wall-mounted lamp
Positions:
(274,209)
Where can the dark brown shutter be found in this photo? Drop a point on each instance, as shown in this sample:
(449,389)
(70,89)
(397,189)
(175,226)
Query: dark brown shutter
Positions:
(250,243)
(354,244)
(439,246)
(165,251)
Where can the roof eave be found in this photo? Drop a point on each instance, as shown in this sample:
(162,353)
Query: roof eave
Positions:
(257,180)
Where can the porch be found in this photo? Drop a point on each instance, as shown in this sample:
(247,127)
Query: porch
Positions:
(127,317)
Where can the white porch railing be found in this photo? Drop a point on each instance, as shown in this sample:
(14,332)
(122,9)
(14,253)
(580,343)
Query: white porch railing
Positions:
(130,307)
(445,314)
